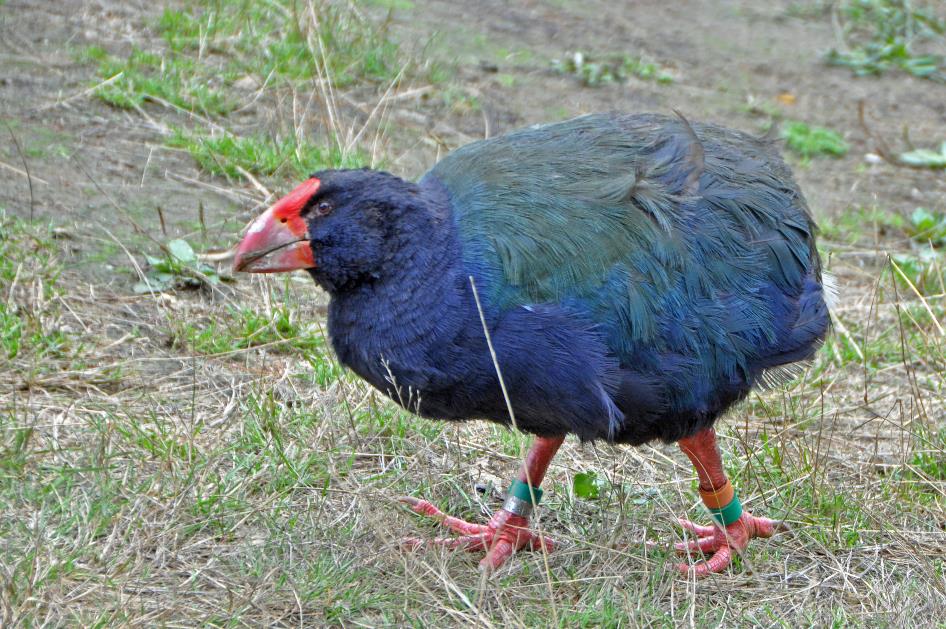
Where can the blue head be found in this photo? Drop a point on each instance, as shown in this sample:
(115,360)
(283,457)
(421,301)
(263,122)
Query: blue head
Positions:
(345,227)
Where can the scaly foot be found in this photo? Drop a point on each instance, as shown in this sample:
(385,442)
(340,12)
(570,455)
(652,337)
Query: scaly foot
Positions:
(504,534)
(722,542)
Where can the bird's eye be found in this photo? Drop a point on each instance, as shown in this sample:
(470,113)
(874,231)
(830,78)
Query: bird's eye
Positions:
(323,208)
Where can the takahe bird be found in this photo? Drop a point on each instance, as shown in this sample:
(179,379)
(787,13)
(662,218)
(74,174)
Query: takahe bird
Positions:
(637,276)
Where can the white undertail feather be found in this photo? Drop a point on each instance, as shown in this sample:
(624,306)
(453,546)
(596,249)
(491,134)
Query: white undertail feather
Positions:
(774,377)
(829,285)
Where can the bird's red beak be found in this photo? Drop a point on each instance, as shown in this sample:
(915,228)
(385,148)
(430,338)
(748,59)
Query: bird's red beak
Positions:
(278,240)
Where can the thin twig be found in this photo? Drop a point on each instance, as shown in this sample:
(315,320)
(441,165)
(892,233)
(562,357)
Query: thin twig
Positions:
(26,167)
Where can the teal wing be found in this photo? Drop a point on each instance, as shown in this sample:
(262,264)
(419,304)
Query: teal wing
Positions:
(669,236)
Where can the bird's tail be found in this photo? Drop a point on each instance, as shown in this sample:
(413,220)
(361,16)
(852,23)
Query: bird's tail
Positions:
(806,334)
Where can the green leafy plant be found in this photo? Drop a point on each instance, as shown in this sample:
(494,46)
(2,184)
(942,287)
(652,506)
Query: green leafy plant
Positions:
(810,141)
(926,226)
(179,268)
(587,485)
(883,35)
(923,269)
(925,157)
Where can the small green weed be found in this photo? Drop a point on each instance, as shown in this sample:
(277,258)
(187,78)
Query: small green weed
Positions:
(587,485)
(11,331)
(925,157)
(883,35)
(325,370)
(810,141)
(179,268)
(594,72)
(29,249)
(922,268)
(459,100)
(28,257)
(928,227)
(929,459)
(809,10)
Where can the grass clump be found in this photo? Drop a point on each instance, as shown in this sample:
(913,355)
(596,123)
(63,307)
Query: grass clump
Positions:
(232,156)
(858,224)
(808,141)
(28,252)
(212,51)
(929,459)
(287,39)
(29,273)
(11,331)
(883,35)
(215,42)
(172,80)
(244,328)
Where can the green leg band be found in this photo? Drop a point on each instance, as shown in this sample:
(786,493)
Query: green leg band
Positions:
(521,491)
(519,498)
(725,516)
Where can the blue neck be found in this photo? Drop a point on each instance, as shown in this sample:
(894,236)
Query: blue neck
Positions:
(377,327)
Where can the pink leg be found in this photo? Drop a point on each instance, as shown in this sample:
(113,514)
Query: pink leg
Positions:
(506,532)
(703,452)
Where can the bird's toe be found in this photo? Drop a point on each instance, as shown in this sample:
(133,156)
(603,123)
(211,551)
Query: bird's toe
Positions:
(703,545)
(717,563)
(697,529)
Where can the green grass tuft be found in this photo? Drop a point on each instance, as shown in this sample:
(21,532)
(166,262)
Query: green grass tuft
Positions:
(809,141)
(279,39)
(244,328)
(231,155)
(175,80)
(861,224)
(29,258)
(212,44)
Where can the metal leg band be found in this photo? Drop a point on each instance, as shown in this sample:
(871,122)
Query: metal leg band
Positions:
(518,506)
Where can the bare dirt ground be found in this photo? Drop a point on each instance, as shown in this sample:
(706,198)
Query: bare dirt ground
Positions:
(192,531)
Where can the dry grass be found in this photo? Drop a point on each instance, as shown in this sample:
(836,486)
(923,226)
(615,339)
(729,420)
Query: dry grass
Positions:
(152,475)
